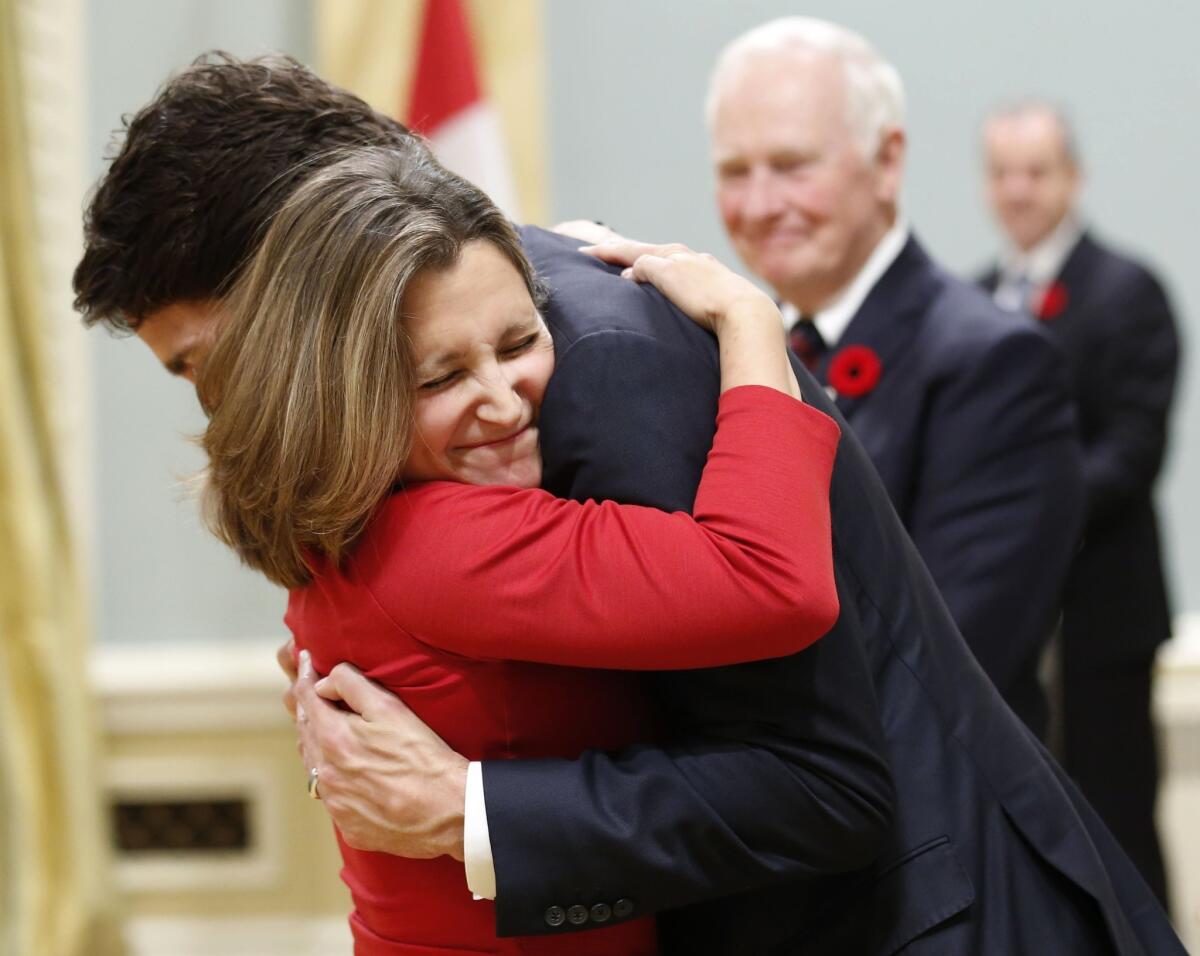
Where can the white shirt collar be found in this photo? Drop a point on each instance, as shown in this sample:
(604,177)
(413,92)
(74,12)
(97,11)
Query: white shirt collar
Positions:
(1042,264)
(832,320)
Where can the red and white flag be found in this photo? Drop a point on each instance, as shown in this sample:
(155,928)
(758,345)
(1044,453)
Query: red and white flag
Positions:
(449,108)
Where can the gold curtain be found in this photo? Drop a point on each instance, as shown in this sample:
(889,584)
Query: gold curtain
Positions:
(54,892)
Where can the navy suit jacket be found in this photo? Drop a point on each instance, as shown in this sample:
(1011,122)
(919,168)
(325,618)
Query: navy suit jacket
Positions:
(1119,337)
(771,809)
(972,429)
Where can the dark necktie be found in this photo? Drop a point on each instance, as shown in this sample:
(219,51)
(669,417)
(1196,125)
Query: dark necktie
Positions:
(806,342)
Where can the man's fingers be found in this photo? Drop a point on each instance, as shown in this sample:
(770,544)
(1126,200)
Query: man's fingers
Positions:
(346,683)
(322,728)
(308,701)
(328,690)
(286,656)
(308,705)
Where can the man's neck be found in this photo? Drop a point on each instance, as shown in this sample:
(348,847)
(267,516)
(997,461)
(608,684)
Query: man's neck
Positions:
(832,318)
(809,300)
(1044,259)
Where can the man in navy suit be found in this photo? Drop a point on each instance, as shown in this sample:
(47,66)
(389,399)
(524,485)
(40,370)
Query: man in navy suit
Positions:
(868,795)
(964,412)
(1111,317)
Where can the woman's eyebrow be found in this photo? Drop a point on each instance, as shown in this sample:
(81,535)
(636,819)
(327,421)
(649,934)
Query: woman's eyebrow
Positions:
(526,325)
(439,361)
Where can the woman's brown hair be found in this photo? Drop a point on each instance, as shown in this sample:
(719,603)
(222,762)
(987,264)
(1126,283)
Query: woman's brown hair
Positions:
(309,387)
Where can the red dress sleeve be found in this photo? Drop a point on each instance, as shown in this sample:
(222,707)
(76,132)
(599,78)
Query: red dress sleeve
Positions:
(517,574)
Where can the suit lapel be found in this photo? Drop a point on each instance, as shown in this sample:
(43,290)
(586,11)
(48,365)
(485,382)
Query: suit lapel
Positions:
(887,320)
(1074,274)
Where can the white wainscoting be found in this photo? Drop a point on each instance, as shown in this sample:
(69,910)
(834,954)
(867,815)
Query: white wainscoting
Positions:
(214,777)
(1177,706)
(186,687)
(205,721)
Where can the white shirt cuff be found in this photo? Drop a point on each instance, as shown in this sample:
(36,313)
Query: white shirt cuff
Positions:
(477,843)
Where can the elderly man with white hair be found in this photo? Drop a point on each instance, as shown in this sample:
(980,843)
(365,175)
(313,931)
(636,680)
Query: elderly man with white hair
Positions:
(964,410)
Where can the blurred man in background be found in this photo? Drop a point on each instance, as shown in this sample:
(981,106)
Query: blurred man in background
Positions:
(1112,319)
(964,411)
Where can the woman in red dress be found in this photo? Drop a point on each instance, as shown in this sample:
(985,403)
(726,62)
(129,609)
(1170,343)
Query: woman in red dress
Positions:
(374,401)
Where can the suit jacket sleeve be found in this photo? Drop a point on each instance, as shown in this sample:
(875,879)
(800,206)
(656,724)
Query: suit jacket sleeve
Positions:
(774,769)
(598,584)
(1000,502)
(1131,388)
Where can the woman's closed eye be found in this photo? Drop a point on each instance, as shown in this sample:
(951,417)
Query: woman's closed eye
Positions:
(519,347)
(450,377)
(441,381)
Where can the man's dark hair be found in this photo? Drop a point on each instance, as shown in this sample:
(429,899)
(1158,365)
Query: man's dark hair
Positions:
(199,174)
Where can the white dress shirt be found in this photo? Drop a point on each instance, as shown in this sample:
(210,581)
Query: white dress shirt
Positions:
(1024,274)
(477,842)
(832,320)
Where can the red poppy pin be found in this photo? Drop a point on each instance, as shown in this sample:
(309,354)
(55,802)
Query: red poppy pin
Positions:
(854,371)
(1054,300)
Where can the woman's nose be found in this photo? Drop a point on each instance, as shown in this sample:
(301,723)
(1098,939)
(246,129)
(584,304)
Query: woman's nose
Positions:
(501,403)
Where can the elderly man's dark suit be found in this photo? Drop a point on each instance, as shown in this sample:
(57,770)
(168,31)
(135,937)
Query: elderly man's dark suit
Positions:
(968,427)
(772,800)
(1117,331)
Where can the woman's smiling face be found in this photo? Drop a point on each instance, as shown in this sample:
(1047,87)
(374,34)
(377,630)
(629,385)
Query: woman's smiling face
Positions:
(483,357)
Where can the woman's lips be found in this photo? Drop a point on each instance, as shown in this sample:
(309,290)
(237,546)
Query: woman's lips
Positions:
(498,441)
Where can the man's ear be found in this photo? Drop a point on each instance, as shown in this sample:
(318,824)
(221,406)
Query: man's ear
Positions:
(889,165)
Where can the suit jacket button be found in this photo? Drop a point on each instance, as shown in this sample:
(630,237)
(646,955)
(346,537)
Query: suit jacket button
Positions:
(601,913)
(578,915)
(556,916)
(622,908)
